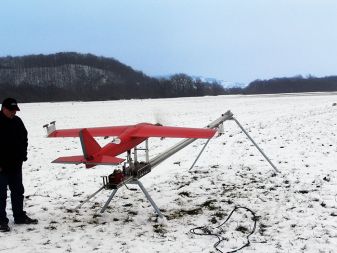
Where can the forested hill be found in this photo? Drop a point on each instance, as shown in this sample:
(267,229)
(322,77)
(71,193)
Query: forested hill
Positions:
(74,76)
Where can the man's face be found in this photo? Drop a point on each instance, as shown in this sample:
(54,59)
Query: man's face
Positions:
(8,113)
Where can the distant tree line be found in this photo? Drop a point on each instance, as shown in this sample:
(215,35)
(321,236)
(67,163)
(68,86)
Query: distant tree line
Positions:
(292,85)
(73,76)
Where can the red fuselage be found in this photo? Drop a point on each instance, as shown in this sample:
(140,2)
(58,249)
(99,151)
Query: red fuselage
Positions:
(127,142)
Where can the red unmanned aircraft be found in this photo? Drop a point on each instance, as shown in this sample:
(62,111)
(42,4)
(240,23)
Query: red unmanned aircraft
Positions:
(128,137)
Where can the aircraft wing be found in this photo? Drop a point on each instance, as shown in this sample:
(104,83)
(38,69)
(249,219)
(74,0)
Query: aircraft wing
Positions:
(174,132)
(94,131)
(144,130)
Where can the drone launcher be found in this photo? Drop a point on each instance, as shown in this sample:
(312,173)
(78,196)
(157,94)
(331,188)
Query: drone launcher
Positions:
(133,170)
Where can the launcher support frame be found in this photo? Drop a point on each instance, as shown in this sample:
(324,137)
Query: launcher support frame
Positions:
(147,195)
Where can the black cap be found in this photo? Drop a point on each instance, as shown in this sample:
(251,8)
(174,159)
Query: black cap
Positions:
(10,104)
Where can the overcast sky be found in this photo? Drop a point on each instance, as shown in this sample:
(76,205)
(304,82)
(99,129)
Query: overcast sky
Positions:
(231,40)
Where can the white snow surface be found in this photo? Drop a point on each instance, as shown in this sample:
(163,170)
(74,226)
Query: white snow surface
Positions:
(296,209)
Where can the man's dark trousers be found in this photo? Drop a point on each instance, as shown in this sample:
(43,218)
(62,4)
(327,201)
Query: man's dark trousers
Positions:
(11,177)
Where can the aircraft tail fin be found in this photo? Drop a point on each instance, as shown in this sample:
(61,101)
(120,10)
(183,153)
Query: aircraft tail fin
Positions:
(70,159)
(104,160)
(89,145)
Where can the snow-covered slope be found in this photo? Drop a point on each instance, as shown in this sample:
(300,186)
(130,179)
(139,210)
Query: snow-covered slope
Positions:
(225,84)
(296,210)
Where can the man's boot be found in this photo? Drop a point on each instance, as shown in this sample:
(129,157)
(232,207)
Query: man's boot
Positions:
(25,220)
(4,227)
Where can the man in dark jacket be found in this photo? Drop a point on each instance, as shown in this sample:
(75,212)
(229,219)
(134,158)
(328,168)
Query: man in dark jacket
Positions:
(13,152)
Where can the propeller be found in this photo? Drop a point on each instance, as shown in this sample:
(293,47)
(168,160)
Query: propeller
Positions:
(160,118)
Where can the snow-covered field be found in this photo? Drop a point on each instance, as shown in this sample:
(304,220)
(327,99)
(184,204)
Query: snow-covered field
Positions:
(296,209)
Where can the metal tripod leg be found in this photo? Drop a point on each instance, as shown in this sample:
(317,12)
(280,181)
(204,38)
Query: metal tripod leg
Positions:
(149,198)
(91,196)
(202,150)
(251,139)
(109,200)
